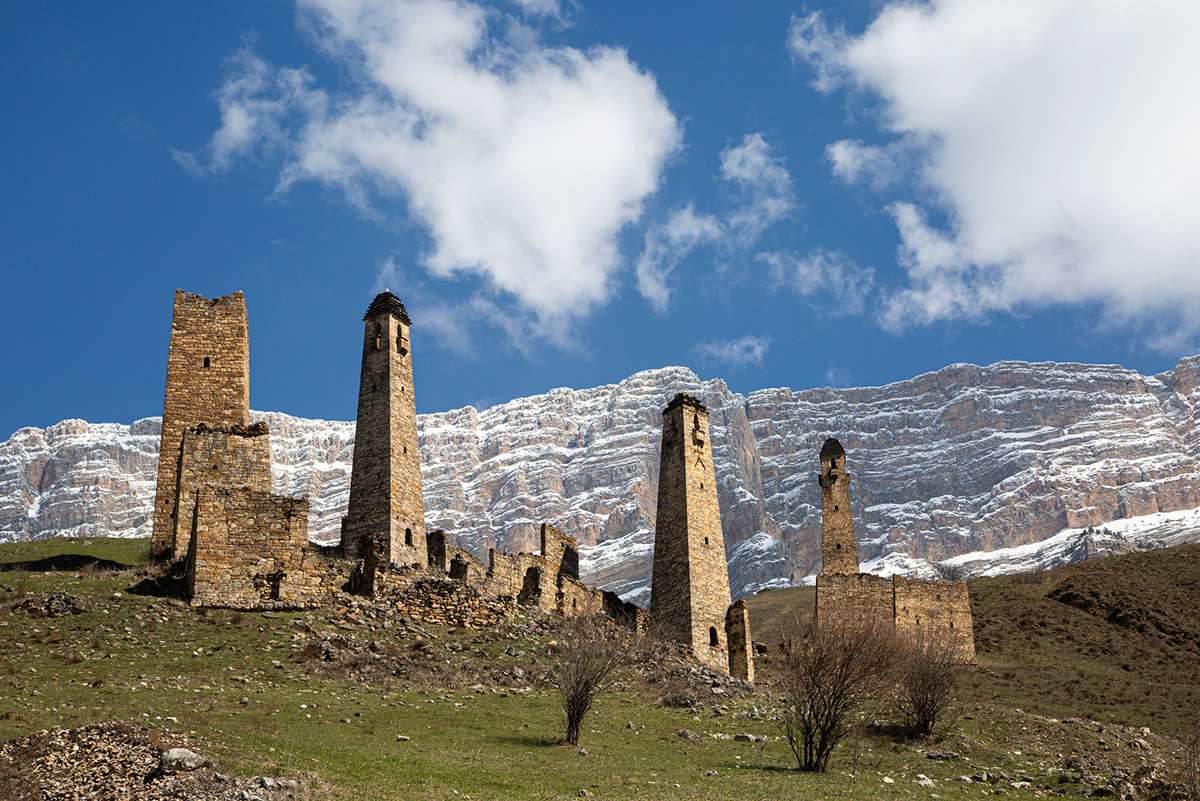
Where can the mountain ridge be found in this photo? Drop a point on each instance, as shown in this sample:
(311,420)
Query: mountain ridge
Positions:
(954,462)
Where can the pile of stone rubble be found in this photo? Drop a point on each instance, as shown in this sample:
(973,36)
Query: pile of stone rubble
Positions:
(111,761)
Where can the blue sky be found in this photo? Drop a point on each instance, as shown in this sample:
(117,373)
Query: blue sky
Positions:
(777,194)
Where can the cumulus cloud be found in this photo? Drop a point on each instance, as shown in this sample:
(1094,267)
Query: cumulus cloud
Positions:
(745,351)
(667,244)
(522,161)
(760,194)
(831,278)
(763,185)
(1054,141)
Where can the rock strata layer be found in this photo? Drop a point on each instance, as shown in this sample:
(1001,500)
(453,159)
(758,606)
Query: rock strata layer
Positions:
(961,460)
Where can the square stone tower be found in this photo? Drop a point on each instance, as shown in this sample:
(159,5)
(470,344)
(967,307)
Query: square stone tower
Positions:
(386,504)
(689,594)
(839,550)
(208,381)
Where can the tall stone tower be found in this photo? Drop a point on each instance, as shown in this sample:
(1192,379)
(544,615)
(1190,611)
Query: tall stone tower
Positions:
(839,551)
(386,505)
(689,595)
(208,381)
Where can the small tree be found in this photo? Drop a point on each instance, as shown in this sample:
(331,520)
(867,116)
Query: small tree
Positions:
(930,667)
(831,670)
(591,648)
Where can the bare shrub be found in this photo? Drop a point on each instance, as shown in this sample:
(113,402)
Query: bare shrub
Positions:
(1189,760)
(1035,576)
(949,572)
(831,671)
(591,648)
(930,668)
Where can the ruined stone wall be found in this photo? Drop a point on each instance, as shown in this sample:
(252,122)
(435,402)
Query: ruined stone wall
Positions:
(574,598)
(386,504)
(560,553)
(860,596)
(434,598)
(940,607)
(246,550)
(839,549)
(208,381)
(690,587)
(741,649)
(522,576)
(231,457)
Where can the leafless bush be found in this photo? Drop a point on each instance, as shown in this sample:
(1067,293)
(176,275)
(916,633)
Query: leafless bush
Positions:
(1189,759)
(1034,576)
(591,648)
(830,671)
(949,572)
(931,666)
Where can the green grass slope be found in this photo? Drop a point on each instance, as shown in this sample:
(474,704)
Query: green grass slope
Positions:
(334,690)
(1114,639)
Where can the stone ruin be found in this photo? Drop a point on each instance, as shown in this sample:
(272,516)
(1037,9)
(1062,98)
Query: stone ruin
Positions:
(245,548)
(912,605)
(689,592)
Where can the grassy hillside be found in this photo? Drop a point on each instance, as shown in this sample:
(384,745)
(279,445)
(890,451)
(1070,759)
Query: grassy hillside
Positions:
(1114,639)
(333,691)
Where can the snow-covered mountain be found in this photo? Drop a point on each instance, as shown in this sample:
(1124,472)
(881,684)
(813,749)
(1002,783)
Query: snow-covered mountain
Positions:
(967,463)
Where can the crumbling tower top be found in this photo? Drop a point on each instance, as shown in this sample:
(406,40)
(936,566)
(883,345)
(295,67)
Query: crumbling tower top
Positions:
(208,381)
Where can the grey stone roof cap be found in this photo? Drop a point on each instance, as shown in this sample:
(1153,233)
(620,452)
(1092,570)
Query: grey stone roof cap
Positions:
(832,448)
(387,303)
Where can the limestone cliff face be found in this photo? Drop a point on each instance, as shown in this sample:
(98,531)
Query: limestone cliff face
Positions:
(961,460)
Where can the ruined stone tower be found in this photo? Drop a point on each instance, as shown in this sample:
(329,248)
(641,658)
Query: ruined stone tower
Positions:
(386,506)
(208,381)
(689,595)
(839,551)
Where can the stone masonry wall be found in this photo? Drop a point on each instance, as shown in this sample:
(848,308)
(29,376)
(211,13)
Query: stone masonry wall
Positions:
(234,456)
(690,586)
(940,607)
(839,549)
(208,381)
(741,649)
(247,549)
(859,596)
(386,504)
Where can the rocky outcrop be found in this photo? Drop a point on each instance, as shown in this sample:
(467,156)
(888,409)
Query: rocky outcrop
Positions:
(962,460)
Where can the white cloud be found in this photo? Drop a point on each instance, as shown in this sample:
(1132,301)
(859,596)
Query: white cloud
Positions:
(761,195)
(745,351)
(837,376)
(666,245)
(839,284)
(764,186)
(541,8)
(878,166)
(1056,137)
(523,161)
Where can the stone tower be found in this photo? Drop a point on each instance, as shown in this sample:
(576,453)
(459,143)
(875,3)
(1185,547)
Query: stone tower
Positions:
(839,551)
(690,591)
(386,505)
(208,381)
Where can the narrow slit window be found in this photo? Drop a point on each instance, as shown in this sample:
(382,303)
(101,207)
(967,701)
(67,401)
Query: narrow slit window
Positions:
(408,539)
(207,363)
(713,640)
